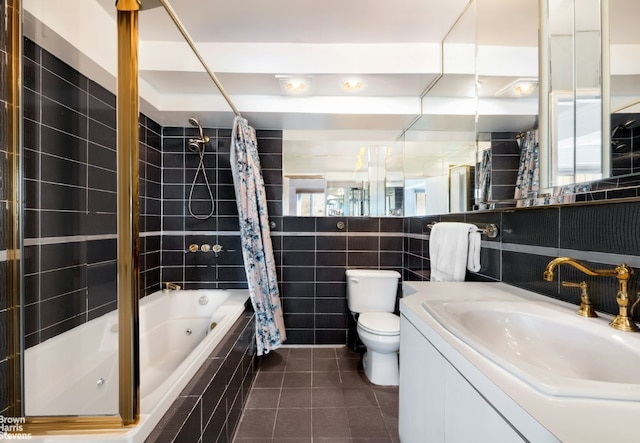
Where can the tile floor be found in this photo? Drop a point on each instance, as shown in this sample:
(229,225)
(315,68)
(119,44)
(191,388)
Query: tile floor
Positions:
(313,395)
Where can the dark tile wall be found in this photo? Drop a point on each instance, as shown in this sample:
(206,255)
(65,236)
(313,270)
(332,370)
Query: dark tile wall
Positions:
(209,408)
(313,255)
(625,147)
(180,166)
(70,197)
(505,160)
(599,235)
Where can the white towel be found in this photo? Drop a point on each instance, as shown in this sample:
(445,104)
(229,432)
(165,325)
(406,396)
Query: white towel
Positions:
(453,247)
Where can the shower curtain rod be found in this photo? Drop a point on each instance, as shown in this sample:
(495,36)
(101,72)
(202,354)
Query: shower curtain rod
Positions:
(187,37)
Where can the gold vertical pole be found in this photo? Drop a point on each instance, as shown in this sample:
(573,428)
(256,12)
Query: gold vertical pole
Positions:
(13,237)
(128,209)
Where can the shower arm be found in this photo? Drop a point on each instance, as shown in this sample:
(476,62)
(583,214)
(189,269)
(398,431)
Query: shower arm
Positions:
(189,41)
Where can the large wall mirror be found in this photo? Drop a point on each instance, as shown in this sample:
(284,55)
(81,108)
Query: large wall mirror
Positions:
(487,94)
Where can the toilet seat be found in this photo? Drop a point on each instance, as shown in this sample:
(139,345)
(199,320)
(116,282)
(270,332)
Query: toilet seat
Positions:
(380,323)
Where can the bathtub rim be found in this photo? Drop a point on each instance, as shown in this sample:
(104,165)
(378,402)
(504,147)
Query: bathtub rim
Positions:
(147,422)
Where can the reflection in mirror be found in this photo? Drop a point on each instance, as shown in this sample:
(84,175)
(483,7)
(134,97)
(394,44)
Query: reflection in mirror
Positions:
(577,144)
(429,157)
(342,173)
(624,38)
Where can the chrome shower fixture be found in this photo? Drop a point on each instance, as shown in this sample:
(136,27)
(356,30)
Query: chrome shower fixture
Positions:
(199,145)
(194,143)
(626,125)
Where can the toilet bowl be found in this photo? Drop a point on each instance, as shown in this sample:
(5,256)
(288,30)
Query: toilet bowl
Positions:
(371,295)
(380,333)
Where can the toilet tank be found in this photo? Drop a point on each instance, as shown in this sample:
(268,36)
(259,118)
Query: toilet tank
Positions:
(371,290)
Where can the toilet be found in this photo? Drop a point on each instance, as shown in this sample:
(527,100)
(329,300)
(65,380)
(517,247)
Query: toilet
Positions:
(372,295)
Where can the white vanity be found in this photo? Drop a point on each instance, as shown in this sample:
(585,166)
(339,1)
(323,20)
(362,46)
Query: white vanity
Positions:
(488,362)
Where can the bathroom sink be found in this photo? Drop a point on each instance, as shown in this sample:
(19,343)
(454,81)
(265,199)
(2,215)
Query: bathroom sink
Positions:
(547,346)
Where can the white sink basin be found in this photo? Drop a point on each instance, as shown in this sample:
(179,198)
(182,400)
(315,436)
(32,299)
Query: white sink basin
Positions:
(548,346)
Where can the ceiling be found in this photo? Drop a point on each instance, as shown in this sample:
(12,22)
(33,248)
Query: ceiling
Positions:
(417,60)
(394,48)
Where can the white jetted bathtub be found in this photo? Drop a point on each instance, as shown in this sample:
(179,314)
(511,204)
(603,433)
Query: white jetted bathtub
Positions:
(76,373)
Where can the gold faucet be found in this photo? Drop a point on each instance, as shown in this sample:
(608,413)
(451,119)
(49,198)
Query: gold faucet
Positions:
(622,272)
(168,286)
(586,308)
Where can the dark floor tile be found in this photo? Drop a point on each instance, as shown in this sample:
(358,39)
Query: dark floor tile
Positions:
(300,352)
(354,379)
(349,364)
(387,399)
(295,398)
(256,423)
(326,380)
(371,440)
(366,422)
(263,398)
(359,397)
(293,423)
(325,364)
(391,423)
(268,379)
(297,380)
(324,353)
(327,398)
(253,440)
(330,422)
(298,365)
(273,361)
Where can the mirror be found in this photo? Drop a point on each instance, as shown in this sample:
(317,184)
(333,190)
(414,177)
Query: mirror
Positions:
(624,86)
(575,144)
(506,101)
(342,173)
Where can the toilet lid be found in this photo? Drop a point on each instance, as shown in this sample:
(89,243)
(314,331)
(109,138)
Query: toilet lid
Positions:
(382,323)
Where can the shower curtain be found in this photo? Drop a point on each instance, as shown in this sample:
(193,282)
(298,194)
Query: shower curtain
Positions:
(484,180)
(528,179)
(255,234)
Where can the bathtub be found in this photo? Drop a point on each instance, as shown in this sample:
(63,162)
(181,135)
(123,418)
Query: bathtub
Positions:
(76,373)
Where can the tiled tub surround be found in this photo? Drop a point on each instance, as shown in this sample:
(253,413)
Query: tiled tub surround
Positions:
(209,408)
(70,197)
(194,270)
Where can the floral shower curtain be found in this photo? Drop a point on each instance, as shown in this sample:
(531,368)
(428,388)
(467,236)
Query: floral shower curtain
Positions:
(528,179)
(255,233)
(484,180)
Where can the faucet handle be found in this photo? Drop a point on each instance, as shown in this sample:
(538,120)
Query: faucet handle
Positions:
(586,308)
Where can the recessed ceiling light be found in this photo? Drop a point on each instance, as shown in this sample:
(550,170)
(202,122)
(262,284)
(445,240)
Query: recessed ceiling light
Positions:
(522,87)
(294,84)
(352,85)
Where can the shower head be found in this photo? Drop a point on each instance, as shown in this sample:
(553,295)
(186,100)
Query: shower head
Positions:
(194,143)
(625,125)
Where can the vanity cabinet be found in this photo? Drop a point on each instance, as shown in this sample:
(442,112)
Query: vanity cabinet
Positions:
(437,404)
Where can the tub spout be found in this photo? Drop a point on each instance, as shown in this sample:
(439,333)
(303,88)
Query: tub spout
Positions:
(168,286)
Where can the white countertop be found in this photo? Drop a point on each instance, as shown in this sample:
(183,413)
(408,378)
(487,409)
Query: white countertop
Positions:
(567,419)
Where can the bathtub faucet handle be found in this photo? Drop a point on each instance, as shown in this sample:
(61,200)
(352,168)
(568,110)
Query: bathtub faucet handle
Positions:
(216,249)
(193,247)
